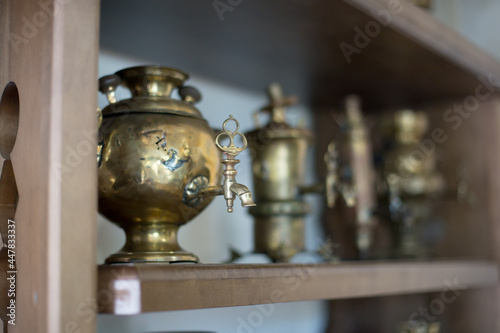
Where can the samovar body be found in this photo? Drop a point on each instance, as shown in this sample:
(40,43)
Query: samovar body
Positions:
(153,151)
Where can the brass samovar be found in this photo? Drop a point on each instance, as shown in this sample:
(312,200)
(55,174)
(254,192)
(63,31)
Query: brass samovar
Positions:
(159,165)
(278,165)
(411,181)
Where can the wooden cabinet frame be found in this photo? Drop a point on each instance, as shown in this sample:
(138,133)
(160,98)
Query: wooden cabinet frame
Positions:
(49,49)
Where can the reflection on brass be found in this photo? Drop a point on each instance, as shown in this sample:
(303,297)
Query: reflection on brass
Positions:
(422,3)
(417,326)
(159,166)
(411,181)
(358,165)
(278,163)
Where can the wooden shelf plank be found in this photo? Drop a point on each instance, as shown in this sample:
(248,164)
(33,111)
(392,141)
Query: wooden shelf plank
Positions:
(132,289)
(413,60)
(435,36)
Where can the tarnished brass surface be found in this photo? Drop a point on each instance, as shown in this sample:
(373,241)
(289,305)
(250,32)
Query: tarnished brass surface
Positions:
(147,161)
(158,154)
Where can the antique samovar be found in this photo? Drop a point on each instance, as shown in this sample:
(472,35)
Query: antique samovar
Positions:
(356,156)
(278,165)
(411,182)
(159,165)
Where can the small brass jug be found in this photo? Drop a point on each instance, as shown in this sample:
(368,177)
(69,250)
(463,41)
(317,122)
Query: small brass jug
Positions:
(158,163)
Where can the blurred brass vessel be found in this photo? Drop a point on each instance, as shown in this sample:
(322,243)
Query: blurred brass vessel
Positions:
(411,180)
(158,163)
(355,148)
(278,163)
(427,4)
(419,327)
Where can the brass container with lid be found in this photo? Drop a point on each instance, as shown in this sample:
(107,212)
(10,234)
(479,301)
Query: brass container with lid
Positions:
(278,165)
(159,165)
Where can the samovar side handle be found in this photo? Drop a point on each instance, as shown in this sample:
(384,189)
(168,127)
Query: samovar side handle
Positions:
(108,85)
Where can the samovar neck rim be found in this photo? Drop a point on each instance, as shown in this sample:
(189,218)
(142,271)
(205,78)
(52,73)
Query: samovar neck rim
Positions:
(152,104)
(152,70)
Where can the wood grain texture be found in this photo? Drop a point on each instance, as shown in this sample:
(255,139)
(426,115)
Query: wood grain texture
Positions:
(52,57)
(144,288)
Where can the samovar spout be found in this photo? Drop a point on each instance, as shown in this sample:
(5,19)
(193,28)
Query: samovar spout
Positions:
(229,191)
(244,194)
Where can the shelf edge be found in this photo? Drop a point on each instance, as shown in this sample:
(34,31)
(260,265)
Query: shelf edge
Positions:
(132,289)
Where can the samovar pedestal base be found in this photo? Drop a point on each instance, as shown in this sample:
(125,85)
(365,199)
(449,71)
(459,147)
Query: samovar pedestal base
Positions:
(152,257)
(154,242)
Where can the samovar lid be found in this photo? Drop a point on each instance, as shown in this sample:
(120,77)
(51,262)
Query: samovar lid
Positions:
(151,88)
(173,75)
(278,127)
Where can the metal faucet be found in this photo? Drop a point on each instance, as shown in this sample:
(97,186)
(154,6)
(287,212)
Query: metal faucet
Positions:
(230,188)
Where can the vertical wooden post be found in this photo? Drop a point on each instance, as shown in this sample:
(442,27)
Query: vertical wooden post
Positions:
(49,49)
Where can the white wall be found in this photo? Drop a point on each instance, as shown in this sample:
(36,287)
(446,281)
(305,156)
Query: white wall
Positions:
(212,233)
(477,20)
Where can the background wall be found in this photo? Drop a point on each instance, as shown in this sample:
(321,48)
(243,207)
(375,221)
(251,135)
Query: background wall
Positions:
(477,20)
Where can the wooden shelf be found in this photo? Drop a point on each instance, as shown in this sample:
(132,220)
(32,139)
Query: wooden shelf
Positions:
(414,59)
(132,289)
(413,62)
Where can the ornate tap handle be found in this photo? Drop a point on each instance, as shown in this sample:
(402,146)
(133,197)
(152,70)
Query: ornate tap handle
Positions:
(334,185)
(230,187)
(230,151)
